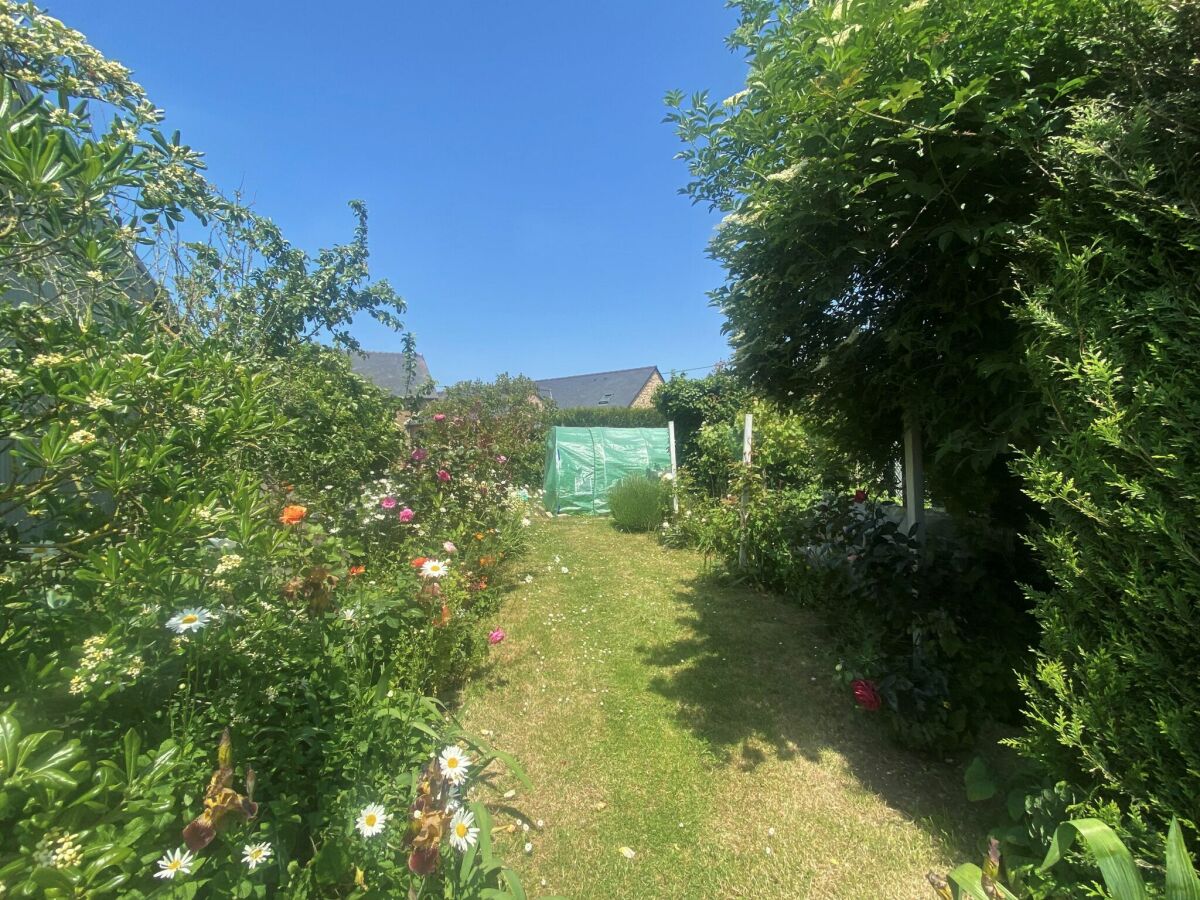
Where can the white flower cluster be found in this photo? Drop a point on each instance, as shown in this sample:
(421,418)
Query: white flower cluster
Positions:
(373,496)
(95,654)
(58,852)
(227,563)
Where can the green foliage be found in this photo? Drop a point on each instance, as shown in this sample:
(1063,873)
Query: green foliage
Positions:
(690,402)
(1112,308)
(249,287)
(608,417)
(336,421)
(505,416)
(1122,879)
(89,181)
(875,172)
(638,502)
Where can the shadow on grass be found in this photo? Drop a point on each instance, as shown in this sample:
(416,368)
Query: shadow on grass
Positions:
(755,681)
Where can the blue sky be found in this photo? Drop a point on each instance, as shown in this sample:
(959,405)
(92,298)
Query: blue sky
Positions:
(521,186)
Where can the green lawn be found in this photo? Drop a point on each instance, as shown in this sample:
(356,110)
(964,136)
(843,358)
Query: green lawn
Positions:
(698,726)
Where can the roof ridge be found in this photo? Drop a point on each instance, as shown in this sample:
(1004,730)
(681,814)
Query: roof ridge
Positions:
(592,374)
(388,352)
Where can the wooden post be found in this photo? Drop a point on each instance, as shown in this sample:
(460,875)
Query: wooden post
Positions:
(747,457)
(914,480)
(674,473)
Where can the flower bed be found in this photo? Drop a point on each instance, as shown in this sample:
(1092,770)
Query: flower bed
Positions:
(178,615)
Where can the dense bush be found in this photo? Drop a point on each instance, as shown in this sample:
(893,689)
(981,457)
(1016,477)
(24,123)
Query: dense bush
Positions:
(1113,308)
(638,502)
(608,417)
(926,625)
(690,402)
(186,597)
(339,421)
(504,416)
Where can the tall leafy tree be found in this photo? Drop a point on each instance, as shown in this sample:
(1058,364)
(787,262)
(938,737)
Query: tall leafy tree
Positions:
(874,173)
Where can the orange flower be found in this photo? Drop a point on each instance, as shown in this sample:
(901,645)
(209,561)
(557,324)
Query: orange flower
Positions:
(479,535)
(485,561)
(357,570)
(418,562)
(292,515)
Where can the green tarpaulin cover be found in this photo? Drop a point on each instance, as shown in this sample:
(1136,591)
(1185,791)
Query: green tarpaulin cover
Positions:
(582,464)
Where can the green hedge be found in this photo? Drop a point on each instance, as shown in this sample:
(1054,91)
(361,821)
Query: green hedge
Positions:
(608,417)
(1114,312)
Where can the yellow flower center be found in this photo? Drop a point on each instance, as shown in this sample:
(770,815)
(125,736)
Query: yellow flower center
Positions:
(369,820)
(451,762)
(190,619)
(460,829)
(175,864)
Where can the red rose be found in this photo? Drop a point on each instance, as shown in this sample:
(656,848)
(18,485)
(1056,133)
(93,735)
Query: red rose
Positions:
(866,694)
(860,496)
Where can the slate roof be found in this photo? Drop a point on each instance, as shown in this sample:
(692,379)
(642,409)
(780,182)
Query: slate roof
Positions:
(618,388)
(388,371)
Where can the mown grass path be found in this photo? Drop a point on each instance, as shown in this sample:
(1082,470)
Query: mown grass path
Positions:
(698,726)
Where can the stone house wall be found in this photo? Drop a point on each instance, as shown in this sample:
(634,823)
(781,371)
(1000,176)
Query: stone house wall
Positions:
(645,397)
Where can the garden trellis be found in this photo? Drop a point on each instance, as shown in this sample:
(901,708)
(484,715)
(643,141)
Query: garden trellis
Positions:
(582,464)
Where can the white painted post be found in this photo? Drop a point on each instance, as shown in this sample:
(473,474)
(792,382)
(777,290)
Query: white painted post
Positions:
(674,473)
(914,480)
(747,458)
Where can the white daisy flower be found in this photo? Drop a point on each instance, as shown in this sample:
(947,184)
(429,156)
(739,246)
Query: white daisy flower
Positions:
(565,570)
(371,820)
(189,620)
(41,551)
(255,855)
(173,863)
(529,579)
(454,764)
(433,568)
(463,832)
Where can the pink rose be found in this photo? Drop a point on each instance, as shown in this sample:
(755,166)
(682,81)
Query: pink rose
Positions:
(418,455)
(443,475)
(449,547)
(866,694)
(502,459)
(439,417)
(406,515)
(496,636)
(388,502)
